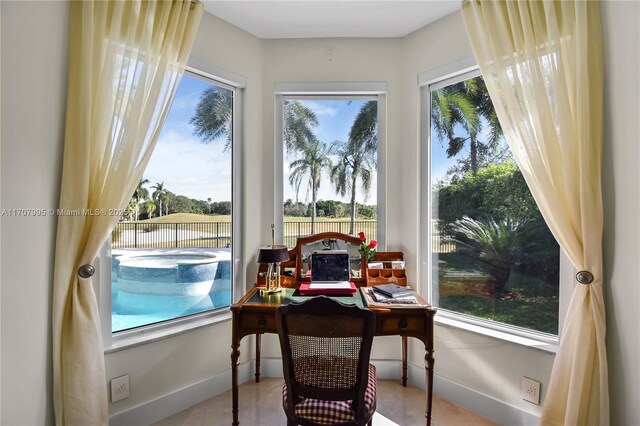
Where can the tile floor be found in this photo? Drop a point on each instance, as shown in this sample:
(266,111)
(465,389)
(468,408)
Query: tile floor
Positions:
(260,405)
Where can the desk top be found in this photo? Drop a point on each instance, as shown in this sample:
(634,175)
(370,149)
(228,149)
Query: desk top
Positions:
(288,295)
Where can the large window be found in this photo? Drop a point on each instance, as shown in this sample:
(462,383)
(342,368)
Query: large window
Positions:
(329,153)
(492,256)
(172,252)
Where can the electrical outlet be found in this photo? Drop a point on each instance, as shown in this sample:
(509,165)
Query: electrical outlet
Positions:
(330,54)
(530,390)
(120,388)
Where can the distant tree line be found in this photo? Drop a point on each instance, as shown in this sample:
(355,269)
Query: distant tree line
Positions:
(329,208)
(161,202)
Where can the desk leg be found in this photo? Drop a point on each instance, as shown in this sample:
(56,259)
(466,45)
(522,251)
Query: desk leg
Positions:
(258,338)
(235,357)
(429,364)
(404,361)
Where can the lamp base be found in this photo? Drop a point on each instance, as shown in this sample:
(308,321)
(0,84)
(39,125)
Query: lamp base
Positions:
(264,291)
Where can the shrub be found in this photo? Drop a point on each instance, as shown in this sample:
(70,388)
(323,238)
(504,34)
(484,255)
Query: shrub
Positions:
(497,191)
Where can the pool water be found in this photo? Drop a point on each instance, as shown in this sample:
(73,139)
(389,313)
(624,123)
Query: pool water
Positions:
(148,289)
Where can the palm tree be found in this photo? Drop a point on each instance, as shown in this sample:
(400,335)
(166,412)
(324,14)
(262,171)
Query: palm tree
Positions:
(213,118)
(131,210)
(141,193)
(465,104)
(358,157)
(159,195)
(297,133)
(150,208)
(298,122)
(314,159)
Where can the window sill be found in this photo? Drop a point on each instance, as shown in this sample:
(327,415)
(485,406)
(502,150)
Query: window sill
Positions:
(152,333)
(540,341)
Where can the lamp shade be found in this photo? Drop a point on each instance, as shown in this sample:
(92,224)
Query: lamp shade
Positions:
(273,254)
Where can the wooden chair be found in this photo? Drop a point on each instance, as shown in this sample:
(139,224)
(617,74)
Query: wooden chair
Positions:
(326,347)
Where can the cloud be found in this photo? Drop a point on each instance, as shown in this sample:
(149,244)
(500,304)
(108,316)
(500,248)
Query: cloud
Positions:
(189,167)
(188,101)
(321,108)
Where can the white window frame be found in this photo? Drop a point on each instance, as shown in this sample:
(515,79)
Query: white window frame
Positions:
(113,342)
(433,80)
(330,91)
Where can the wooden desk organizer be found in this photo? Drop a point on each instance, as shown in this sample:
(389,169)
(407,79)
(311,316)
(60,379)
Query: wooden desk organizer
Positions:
(387,274)
(369,277)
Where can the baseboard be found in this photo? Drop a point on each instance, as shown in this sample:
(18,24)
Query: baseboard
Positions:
(181,399)
(473,400)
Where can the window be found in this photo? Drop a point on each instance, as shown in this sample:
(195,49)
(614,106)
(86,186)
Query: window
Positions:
(329,153)
(173,252)
(493,260)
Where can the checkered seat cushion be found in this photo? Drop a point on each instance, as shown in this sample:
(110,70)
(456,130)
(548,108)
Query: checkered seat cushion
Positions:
(333,412)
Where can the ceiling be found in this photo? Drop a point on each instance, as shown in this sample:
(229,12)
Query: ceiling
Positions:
(330,18)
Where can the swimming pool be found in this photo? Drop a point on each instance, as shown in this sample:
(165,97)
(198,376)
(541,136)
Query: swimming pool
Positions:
(150,286)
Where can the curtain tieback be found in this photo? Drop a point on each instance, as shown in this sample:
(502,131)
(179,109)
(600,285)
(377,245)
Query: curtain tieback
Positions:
(86,271)
(584,277)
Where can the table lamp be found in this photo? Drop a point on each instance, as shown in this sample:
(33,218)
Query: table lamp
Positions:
(273,255)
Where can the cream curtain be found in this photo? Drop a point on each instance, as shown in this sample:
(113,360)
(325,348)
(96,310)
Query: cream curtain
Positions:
(125,61)
(542,63)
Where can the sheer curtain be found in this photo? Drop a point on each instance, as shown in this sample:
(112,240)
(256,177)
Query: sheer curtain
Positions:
(125,61)
(543,65)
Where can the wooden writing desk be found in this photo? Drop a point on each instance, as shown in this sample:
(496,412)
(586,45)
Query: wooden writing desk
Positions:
(255,313)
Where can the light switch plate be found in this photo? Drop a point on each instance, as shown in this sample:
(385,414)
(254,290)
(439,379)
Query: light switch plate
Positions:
(530,390)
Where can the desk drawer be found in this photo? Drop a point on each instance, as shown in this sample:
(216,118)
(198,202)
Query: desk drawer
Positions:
(258,322)
(395,324)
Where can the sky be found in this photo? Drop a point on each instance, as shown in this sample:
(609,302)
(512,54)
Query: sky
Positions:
(439,161)
(185,164)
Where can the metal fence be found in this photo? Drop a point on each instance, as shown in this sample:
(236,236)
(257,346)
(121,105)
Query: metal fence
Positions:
(294,230)
(168,235)
(218,234)
(439,244)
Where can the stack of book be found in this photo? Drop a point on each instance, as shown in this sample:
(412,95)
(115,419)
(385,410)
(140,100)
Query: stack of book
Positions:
(393,293)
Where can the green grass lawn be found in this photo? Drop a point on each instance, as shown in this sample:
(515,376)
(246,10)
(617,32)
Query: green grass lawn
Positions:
(537,312)
(191,217)
(324,219)
(188,218)
(531,303)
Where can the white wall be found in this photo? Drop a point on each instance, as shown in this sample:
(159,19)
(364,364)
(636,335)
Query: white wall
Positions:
(34,42)
(621,197)
(33,89)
